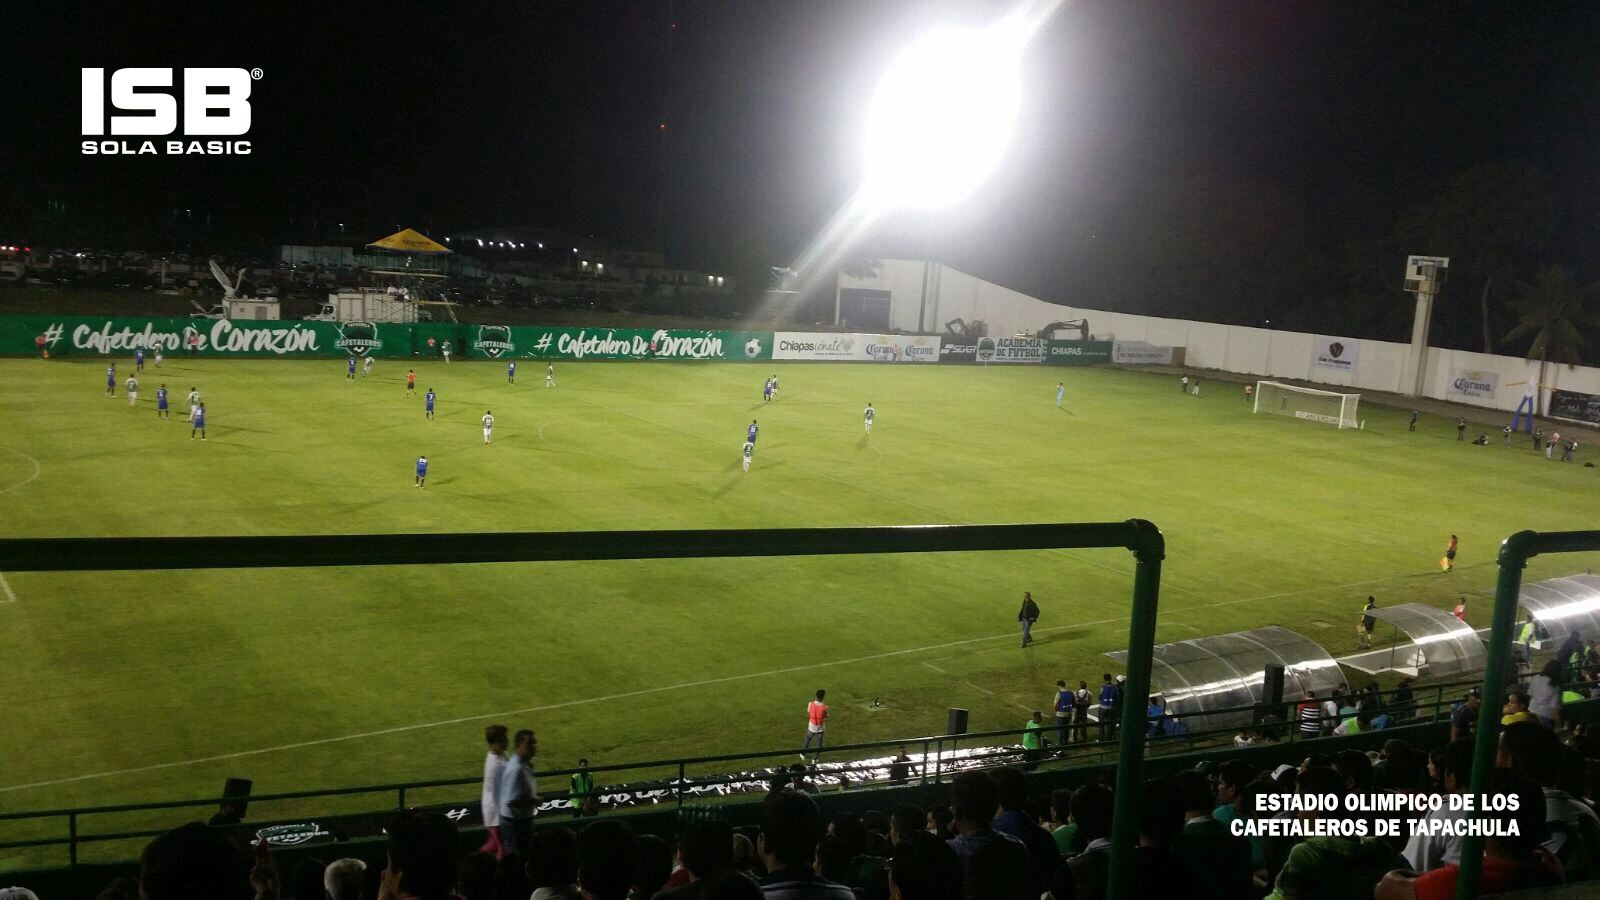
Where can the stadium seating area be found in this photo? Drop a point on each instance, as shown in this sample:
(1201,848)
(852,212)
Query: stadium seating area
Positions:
(989,834)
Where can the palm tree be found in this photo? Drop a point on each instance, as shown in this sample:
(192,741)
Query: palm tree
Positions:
(1551,310)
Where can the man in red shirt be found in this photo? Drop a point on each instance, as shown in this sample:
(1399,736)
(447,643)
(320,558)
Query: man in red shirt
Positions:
(816,723)
(1509,863)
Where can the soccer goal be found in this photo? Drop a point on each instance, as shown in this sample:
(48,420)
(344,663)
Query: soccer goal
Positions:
(1327,407)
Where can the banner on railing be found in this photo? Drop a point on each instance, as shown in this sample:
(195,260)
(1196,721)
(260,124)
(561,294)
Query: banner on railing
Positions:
(1575,405)
(99,336)
(855,347)
(1140,353)
(1078,353)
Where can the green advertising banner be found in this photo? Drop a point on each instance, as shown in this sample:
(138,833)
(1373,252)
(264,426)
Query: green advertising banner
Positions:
(88,335)
(1077,353)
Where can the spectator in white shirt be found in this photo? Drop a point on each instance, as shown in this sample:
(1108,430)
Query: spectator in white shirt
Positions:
(1426,852)
(493,765)
(519,793)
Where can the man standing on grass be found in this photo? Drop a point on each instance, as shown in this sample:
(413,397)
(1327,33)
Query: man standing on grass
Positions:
(1415,414)
(366,366)
(194,400)
(1449,561)
(749,452)
(350,369)
(1028,615)
(488,424)
(133,390)
(428,400)
(199,422)
(511,372)
(1183,385)
(411,382)
(550,375)
(162,412)
(1249,393)
(422,469)
(1538,435)
(1061,391)
(1461,429)
(1505,435)
(111,380)
(1368,623)
(138,360)
(445,349)
(867,416)
(816,723)
(519,794)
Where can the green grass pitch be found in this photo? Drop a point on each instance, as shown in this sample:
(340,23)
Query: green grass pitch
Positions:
(143,686)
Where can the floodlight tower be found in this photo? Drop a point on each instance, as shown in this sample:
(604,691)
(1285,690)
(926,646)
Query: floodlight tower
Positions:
(1424,276)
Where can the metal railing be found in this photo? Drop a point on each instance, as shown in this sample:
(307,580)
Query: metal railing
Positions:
(1136,535)
(1515,551)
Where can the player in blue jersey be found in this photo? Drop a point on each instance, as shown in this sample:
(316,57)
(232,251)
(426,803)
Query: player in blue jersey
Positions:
(161,403)
(749,451)
(198,422)
(428,399)
(511,372)
(422,467)
(1061,391)
(867,417)
(138,360)
(750,433)
(766,392)
(111,380)
(350,369)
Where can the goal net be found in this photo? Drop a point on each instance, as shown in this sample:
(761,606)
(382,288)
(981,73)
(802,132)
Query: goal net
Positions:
(1327,407)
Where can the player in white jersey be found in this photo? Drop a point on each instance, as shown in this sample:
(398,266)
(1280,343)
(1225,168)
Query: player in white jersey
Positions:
(158,357)
(550,375)
(133,390)
(749,451)
(366,366)
(488,425)
(866,418)
(194,400)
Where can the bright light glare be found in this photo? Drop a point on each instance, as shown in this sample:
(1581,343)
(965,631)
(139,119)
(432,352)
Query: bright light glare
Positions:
(942,117)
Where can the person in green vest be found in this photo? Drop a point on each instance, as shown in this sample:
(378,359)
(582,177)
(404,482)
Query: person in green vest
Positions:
(1033,739)
(583,791)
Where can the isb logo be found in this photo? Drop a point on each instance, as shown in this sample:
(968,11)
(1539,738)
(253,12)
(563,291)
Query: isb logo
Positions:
(494,341)
(216,103)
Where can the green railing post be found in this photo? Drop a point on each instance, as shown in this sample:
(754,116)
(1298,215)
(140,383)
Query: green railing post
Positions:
(400,799)
(1514,553)
(1150,551)
(678,788)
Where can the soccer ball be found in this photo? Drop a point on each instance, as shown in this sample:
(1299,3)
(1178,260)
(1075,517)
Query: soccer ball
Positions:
(752,348)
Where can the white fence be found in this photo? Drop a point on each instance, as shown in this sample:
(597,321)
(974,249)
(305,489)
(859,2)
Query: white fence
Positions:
(1376,365)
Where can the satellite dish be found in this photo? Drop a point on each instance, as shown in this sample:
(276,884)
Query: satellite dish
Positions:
(230,290)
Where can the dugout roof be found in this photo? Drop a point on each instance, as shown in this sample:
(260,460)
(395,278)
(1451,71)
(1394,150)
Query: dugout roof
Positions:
(1564,605)
(1223,671)
(1440,644)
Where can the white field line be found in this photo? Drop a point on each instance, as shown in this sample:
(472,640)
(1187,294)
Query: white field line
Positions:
(36,470)
(5,586)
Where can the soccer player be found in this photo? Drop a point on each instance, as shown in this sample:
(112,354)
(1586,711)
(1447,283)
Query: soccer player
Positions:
(194,400)
(411,382)
(1061,391)
(1197,385)
(774,385)
(1367,624)
(488,424)
(446,350)
(366,366)
(1460,611)
(427,400)
(511,372)
(866,418)
(550,375)
(1538,436)
(1449,561)
(133,390)
(1505,435)
(111,380)
(1249,393)
(350,369)
(1415,414)
(138,360)
(749,450)
(1183,385)
(1461,429)
(158,357)
(1555,438)
(161,403)
(422,469)
(766,392)
(750,433)
(198,421)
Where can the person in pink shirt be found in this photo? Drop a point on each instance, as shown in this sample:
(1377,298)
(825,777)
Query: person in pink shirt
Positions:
(816,723)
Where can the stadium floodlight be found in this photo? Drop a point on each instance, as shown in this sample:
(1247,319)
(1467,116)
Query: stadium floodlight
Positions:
(942,116)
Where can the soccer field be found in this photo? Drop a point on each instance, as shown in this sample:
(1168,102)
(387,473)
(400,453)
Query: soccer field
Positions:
(135,686)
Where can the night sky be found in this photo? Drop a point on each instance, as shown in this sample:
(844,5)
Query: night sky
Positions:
(451,116)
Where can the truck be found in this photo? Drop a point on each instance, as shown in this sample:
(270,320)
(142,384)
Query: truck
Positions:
(367,305)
